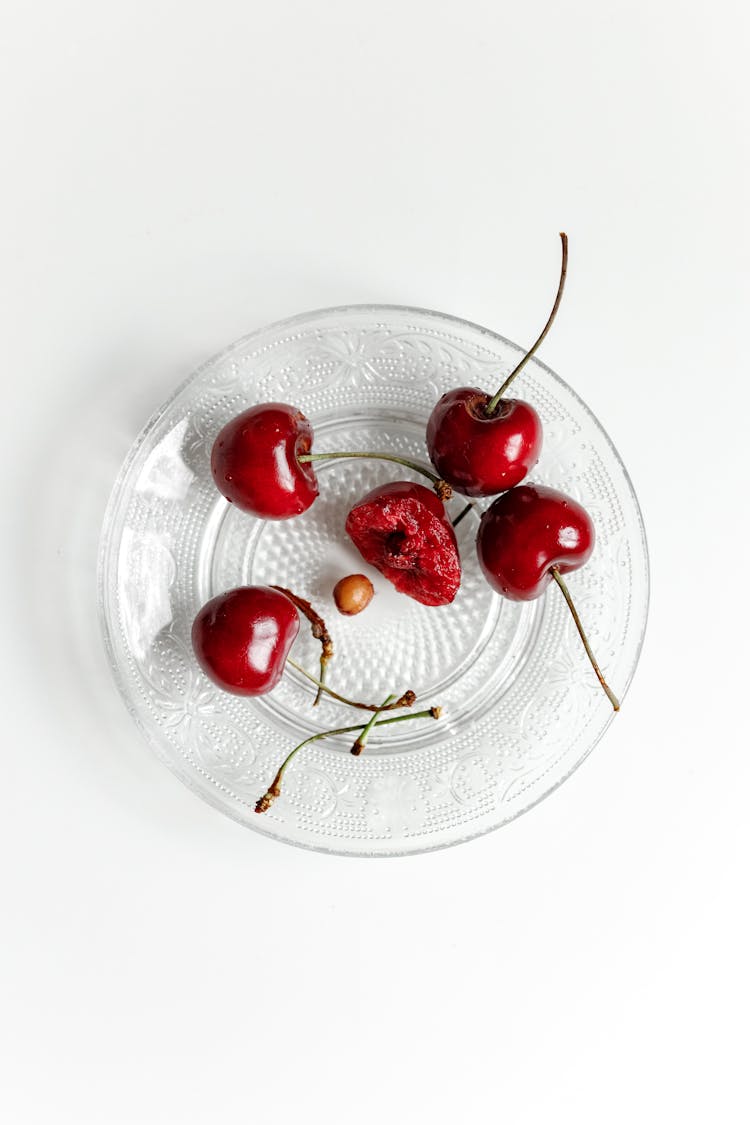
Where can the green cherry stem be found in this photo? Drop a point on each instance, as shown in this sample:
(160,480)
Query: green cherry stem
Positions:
(566,594)
(442,488)
(359,745)
(405,700)
(274,789)
(494,402)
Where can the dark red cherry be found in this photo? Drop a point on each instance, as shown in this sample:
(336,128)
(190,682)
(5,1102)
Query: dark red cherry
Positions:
(528,531)
(482,445)
(403,531)
(255,466)
(530,536)
(480,454)
(242,638)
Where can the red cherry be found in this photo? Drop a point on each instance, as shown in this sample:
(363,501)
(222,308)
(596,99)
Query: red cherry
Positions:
(242,638)
(402,529)
(482,445)
(481,454)
(255,463)
(527,531)
(531,535)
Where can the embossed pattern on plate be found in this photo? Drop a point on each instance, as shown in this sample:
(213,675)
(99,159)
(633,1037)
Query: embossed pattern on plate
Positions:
(521,706)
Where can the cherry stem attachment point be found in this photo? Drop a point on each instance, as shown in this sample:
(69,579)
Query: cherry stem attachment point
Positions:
(494,402)
(274,789)
(319,631)
(574,612)
(359,745)
(406,700)
(442,488)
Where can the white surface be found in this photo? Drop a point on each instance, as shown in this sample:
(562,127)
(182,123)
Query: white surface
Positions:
(175,175)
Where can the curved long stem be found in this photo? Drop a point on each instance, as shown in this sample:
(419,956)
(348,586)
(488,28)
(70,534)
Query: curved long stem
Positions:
(274,789)
(319,631)
(442,488)
(405,700)
(494,402)
(566,594)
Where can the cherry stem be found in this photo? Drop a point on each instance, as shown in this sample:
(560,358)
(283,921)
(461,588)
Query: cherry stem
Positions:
(566,594)
(494,402)
(274,789)
(359,745)
(405,700)
(442,488)
(464,512)
(319,631)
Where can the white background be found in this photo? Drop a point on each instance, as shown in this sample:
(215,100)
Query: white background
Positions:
(175,175)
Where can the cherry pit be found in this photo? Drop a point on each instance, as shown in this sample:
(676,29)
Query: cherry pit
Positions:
(480,446)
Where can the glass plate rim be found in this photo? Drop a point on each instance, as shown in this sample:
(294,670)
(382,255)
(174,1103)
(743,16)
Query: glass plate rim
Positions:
(105,559)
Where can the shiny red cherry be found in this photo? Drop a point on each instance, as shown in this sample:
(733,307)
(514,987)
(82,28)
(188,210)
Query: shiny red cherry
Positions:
(482,444)
(255,463)
(242,638)
(481,454)
(403,531)
(525,533)
(531,535)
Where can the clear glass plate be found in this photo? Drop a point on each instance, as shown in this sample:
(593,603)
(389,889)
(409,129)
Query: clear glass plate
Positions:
(521,706)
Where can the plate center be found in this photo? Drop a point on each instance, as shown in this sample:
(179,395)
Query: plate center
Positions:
(459,656)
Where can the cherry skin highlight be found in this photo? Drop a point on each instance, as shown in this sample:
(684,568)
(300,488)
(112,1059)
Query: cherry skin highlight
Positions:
(480,454)
(528,531)
(242,638)
(402,529)
(255,463)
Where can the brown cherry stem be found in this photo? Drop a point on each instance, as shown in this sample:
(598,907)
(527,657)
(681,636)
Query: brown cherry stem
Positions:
(319,631)
(359,745)
(494,402)
(405,700)
(566,594)
(274,789)
(442,488)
